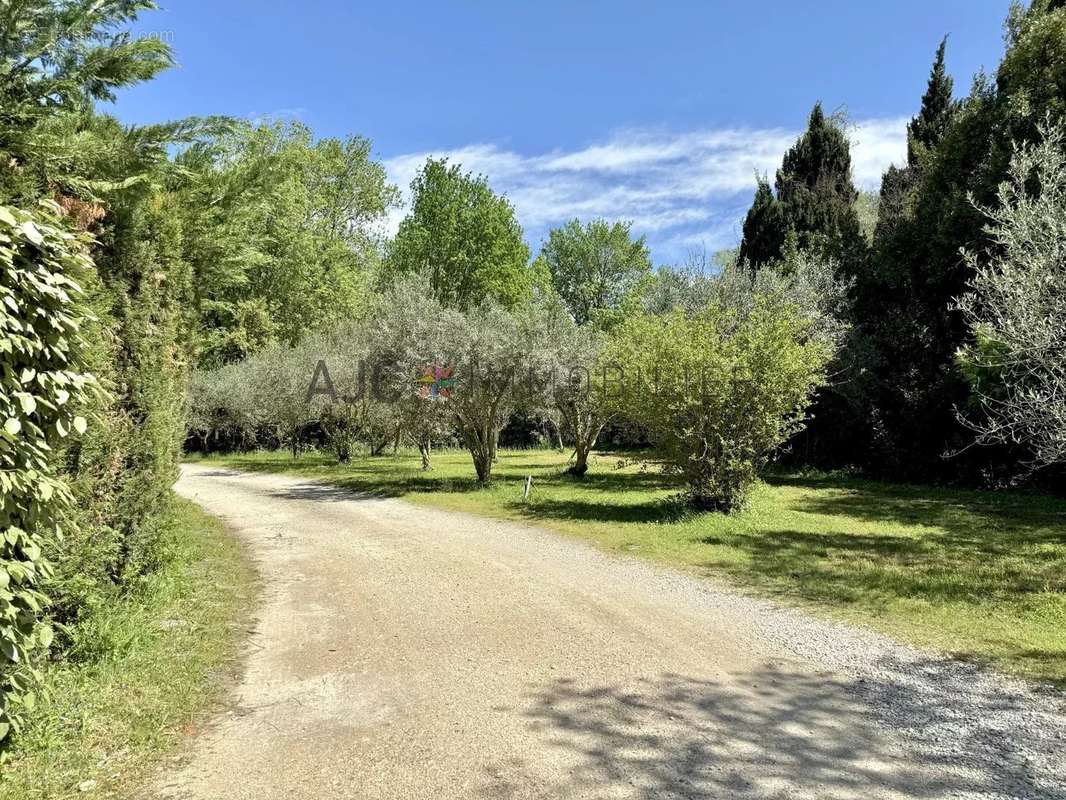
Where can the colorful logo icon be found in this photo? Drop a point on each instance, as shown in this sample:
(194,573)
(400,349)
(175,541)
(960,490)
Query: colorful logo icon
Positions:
(435,382)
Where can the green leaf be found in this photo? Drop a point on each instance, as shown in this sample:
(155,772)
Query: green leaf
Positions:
(12,426)
(30,231)
(79,424)
(9,650)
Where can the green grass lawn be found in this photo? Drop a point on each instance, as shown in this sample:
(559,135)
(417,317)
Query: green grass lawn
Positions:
(979,574)
(103,724)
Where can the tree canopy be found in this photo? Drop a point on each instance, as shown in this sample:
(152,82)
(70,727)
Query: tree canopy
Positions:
(284,233)
(464,236)
(813,202)
(595,266)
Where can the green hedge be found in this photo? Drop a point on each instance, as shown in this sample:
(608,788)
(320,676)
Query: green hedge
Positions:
(43,384)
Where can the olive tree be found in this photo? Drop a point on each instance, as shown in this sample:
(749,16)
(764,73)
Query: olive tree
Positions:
(500,363)
(275,382)
(1016,311)
(360,408)
(408,352)
(719,389)
(580,380)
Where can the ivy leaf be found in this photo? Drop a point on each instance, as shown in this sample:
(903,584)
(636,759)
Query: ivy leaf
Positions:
(79,424)
(12,426)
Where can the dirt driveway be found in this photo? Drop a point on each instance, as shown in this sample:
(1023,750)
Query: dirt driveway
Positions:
(401,652)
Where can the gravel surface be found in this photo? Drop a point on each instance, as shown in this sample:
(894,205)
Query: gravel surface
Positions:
(402,652)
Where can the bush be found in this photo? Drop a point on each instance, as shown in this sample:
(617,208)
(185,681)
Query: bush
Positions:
(718,390)
(42,386)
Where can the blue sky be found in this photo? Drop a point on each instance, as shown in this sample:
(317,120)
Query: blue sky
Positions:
(659,112)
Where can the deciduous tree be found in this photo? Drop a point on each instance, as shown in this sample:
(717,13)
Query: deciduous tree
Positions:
(595,266)
(464,236)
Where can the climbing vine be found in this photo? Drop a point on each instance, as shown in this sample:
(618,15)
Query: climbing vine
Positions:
(43,383)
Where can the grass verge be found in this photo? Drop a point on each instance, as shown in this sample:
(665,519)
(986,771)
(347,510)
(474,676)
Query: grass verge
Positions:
(981,575)
(102,724)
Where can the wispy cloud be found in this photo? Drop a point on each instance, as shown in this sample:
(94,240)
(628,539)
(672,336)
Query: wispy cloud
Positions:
(679,189)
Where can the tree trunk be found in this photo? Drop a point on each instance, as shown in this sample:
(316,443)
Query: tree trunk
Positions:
(483,450)
(557,430)
(483,465)
(581,460)
(425,449)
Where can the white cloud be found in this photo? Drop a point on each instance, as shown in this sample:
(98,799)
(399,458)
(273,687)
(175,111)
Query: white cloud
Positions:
(875,144)
(679,189)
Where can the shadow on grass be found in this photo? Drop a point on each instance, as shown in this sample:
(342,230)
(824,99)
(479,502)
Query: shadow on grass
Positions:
(663,510)
(847,567)
(782,732)
(618,481)
(1007,513)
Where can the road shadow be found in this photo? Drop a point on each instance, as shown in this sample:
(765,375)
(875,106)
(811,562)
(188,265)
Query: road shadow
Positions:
(217,473)
(380,477)
(315,492)
(774,733)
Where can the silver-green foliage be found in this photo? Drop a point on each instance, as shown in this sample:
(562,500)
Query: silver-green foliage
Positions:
(1017,309)
(42,384)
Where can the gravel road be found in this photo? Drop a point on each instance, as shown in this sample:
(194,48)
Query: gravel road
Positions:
(401,652)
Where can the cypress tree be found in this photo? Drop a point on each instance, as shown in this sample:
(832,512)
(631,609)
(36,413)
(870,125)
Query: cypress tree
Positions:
(815,199)
(764,231)
(925,131)
(917,273)
(816,193)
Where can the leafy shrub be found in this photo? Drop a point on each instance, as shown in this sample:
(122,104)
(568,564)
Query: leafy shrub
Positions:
(42,385)
(719,389)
